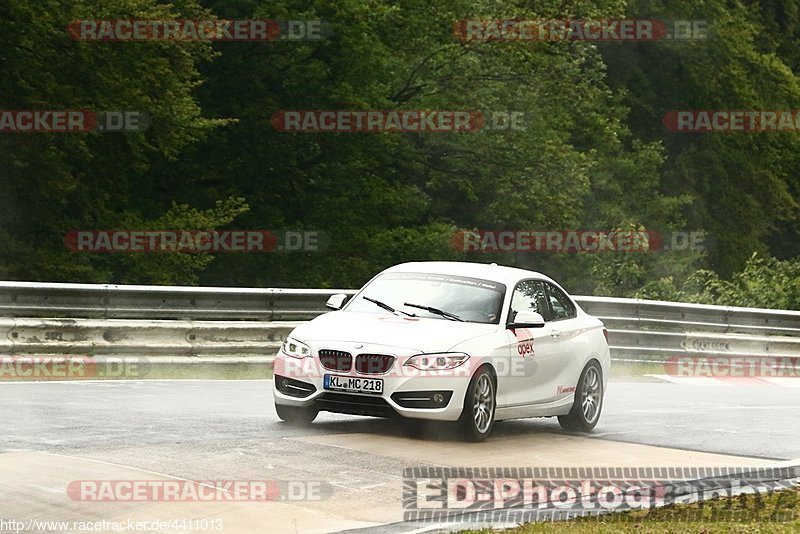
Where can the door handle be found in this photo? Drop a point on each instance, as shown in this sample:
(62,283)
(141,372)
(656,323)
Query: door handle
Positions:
(555,334)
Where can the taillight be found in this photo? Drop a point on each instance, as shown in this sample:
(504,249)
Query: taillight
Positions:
(605,333)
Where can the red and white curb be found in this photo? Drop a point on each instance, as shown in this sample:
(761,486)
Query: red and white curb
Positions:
(727,381)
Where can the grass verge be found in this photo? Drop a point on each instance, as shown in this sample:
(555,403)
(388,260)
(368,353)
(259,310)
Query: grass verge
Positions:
(774,512)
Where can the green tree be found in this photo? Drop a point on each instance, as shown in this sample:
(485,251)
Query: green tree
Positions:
(744,186)
(763,283)
(53,183)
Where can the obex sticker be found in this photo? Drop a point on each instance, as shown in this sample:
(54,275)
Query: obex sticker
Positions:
(524,341)
(525,348)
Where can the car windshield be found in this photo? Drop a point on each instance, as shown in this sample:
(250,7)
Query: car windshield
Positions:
(471,299)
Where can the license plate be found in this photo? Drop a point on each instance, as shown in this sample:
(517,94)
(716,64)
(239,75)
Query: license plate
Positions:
(353,384)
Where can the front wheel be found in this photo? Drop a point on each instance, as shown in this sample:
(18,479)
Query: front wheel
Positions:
(588,401)
(477,417)
(296,416)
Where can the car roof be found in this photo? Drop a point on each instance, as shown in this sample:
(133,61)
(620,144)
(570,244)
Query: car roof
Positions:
(487,271)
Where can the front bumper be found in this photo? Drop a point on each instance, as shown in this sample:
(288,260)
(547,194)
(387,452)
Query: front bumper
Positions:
(434,396)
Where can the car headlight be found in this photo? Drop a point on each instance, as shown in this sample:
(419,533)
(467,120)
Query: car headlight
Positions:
(437,361)
(295,349)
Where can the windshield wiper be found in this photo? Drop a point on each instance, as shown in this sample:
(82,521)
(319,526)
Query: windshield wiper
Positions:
(437,311)
(386,306)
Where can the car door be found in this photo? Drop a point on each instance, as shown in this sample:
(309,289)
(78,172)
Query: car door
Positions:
(534,353)
(565,327)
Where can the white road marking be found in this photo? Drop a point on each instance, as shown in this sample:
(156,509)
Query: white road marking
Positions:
(443,526)
(729,381)
(692,380)
(133,381)
(767,407)
(613,433)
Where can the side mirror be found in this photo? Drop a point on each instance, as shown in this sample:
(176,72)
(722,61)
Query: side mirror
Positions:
(527,319)
(335,302)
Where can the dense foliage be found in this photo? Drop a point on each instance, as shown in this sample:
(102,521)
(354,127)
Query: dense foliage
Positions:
(594,153)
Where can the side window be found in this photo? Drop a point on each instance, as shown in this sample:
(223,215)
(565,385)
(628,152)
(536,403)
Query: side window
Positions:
(530,295)
(560,303)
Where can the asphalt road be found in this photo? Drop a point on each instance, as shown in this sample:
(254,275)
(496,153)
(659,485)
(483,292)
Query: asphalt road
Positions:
(762,422)
(55,433)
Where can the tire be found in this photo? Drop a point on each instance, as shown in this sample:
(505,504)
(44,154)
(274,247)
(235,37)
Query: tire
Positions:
(296,416)
(477,417)
(588,404)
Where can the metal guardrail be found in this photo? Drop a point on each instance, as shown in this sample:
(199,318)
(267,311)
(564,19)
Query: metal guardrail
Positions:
(658,330)
(103,319)
(110,301)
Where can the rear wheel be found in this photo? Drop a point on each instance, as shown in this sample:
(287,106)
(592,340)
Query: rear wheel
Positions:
(588,401)
(295,415)
(477,417)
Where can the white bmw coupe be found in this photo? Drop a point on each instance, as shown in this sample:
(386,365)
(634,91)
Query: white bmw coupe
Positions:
(448,341)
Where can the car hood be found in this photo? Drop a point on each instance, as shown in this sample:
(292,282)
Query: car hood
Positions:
(419,334)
